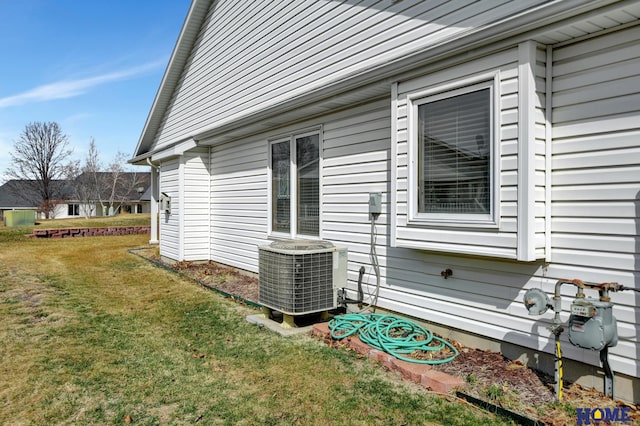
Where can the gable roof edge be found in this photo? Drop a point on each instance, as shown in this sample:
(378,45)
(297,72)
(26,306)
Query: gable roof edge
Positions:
(181,52)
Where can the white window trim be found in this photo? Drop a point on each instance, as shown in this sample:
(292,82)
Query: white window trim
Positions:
(414,100)
(293,201)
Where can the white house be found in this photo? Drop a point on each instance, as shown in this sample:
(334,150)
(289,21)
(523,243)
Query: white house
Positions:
(502,135)
(131,193)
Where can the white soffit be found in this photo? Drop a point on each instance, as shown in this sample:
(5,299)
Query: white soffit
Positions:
(595,22)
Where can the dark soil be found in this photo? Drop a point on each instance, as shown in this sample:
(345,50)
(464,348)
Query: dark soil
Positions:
(488,375)
(223,278)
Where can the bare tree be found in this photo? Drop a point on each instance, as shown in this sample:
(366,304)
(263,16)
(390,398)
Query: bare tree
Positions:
(40,159)
(86,185)
(118,185)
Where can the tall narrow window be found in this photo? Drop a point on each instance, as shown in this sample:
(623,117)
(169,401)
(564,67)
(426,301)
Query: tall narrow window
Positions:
(280,184)
(295,185)
(454,150)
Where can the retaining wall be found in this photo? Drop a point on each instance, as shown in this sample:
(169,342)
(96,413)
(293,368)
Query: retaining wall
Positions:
(90,232)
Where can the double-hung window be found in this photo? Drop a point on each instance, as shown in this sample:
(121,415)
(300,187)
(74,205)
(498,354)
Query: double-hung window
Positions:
(73,209)
(454,156)
(294,166)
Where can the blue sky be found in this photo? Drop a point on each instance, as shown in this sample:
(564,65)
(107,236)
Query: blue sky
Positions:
(91,66)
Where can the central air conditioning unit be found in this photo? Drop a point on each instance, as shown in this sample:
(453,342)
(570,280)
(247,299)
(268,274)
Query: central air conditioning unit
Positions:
(300,277)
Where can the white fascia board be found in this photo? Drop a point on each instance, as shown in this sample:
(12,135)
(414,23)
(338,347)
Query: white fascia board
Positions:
(174,151)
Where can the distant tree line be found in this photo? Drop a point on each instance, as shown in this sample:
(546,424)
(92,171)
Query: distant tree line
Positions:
(42,160)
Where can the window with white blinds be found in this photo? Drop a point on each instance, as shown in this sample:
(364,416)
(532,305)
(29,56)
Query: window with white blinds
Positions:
(453,136)
(294,168)
(454,165)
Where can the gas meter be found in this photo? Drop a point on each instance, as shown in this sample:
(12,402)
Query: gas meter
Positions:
(592,324)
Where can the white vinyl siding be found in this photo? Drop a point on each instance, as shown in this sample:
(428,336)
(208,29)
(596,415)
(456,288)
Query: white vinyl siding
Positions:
(239,182)
(238,202)
(244,62)
(566,163)
(596,173)
(501,239)
(170,223)
(356,161)
(195,197)
(484,296)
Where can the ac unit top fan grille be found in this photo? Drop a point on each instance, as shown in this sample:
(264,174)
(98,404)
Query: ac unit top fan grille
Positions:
(300,246)
(297,277)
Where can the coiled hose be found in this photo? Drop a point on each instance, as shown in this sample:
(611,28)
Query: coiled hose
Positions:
(396,336)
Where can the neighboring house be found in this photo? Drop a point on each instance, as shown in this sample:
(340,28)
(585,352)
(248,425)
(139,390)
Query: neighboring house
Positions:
(503,136)
(10,198)
(19,195)
(129,193)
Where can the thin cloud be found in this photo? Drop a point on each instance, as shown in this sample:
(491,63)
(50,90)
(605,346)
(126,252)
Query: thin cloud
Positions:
(71,88)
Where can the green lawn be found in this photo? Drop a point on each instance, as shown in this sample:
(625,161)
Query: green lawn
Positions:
(92,334)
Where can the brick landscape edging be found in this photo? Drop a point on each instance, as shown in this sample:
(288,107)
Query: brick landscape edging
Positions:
(422,374)
(90,232)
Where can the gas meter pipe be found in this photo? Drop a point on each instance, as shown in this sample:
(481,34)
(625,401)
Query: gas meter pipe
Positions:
(558,370)
(592,324)
(557,329)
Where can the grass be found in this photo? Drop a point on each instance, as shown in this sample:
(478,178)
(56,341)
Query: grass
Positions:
(92,334)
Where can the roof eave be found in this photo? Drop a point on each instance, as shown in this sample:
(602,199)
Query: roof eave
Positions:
(181,51)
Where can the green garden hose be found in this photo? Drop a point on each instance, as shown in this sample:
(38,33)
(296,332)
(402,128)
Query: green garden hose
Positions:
(393,335)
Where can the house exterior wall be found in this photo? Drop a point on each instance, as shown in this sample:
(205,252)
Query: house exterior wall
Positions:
(239,202)
(568,173)
(145,205)
(195,202)
(596,173)
(170,222)
(284,49)
(239,174)
(61,211)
